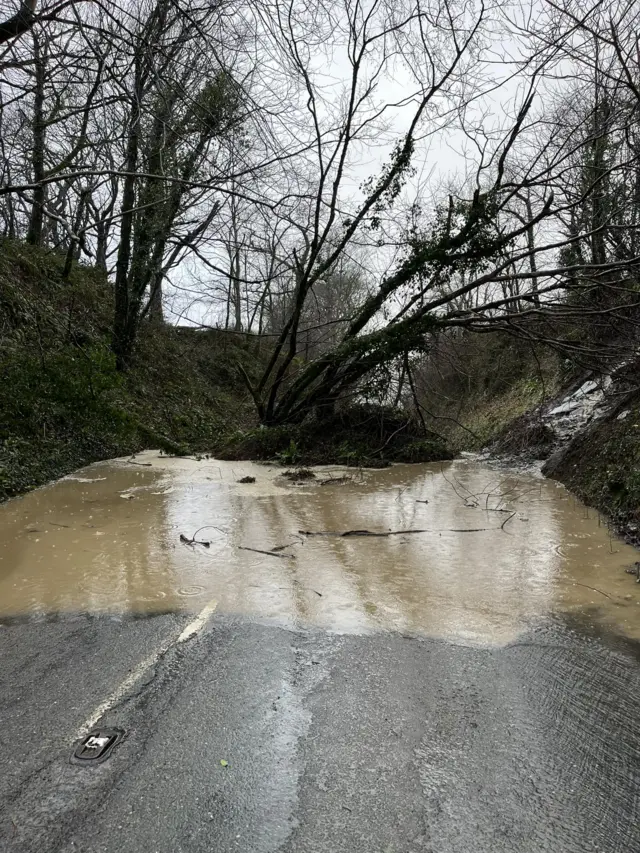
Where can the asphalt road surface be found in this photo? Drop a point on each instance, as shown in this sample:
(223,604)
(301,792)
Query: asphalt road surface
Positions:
(240,735)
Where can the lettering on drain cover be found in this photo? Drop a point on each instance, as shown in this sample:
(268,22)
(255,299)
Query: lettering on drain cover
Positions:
(96,746)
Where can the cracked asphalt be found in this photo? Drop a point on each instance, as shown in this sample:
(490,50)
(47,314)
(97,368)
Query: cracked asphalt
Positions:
(380,743)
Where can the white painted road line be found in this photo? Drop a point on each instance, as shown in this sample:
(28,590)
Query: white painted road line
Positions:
(197,624)
(136,674)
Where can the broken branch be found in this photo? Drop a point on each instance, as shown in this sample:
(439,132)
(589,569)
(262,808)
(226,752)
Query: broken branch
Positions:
(267,553)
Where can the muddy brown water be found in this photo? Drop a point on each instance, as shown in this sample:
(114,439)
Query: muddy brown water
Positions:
(500,549)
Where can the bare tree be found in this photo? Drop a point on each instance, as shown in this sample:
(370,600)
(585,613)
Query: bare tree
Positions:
(217,150)
(482,244)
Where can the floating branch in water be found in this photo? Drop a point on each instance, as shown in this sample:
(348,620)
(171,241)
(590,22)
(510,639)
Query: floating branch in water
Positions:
(186,541)
(593,588)
(195,541)
(506,521)
(132,461)
(372,533)
(274,553)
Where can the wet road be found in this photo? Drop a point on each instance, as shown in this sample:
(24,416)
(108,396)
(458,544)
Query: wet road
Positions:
(470,692)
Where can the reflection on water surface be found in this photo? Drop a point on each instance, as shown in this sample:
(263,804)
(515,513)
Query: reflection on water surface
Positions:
(499,550)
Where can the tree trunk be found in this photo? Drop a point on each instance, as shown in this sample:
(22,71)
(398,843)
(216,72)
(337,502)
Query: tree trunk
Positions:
(20,23)
(123,327)
(101,245)
(125,331)
(237,293)
(36,219)
(155,301)
(531,245)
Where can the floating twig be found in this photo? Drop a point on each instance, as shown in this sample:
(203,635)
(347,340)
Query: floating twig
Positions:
(506,521)
(371,533)
(309,588)
(593,588)
(209,527)
(267,553)
(195,541)
(186,541)
(288,545)
(328,481)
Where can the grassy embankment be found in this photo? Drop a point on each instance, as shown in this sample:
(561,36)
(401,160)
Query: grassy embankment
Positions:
(62,402)
(479,386)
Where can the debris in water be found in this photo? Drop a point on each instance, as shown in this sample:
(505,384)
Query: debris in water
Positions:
(329,481)
(247,480)
(267,553)
(288,545)
(592,588)
(634,570)
(192,542)
(194,539)
(299,475)
(354,532)
(372,533)
(506,521)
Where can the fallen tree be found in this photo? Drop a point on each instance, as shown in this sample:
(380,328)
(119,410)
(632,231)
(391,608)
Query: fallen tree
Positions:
(536,238)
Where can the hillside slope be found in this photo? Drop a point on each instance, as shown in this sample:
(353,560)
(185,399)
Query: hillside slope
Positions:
(499,394)
(62,403)
(600,462)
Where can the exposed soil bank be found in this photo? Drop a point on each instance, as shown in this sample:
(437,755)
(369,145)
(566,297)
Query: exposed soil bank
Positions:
(490,392)
(601,464)
(589,435)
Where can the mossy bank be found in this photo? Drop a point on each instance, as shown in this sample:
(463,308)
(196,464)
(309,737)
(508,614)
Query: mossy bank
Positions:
(62,402)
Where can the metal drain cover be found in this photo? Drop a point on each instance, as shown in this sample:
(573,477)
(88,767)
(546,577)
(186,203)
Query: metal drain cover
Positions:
(96,746)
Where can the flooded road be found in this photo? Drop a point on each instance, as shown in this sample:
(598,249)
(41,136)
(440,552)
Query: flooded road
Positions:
(475,553)
(421,659)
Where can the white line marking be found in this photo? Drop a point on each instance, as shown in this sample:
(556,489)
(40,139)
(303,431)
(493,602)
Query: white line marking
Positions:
(197,624)
(136,674)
